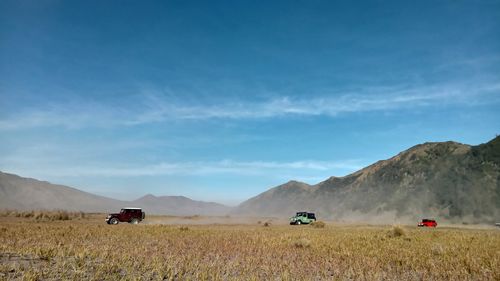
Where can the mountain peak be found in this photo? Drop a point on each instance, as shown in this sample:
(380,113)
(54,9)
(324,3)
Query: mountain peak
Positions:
(148,196)
(293,185)
(293,182)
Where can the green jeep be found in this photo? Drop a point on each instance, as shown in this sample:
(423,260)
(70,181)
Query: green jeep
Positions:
(303,218)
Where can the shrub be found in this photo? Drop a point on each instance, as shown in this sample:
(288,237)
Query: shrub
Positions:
(397,231)
(63,216)
(318,224)
(28,214)
(267,224)
(6,213)
(43,215)
(193,217)
(38,216)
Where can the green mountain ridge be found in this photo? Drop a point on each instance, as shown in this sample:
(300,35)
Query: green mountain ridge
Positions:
(446,180)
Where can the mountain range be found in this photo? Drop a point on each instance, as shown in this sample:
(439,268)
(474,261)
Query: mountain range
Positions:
(446,180)
(30,194)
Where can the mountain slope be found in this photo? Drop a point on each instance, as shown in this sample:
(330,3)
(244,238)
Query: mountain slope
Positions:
(29,194)
(180,205)
(448,180)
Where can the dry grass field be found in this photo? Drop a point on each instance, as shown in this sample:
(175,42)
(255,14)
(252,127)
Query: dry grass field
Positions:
(85,248)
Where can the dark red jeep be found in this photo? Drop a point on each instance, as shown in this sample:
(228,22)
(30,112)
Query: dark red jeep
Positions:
(130,215)
(428,223)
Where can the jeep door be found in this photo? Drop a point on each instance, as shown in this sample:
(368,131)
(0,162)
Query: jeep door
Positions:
(125,215)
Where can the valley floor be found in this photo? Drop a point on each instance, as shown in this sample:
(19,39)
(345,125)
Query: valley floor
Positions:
(171,248)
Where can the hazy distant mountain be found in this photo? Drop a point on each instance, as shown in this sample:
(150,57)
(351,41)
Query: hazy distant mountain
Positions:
(30,194)
(445,180)
(180,205)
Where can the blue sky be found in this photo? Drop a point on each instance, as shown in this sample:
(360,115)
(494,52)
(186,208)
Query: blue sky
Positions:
(221,100)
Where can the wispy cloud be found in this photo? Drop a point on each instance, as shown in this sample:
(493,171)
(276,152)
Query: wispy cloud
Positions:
(197,168)
(363,100)
(154,107)
(69,115)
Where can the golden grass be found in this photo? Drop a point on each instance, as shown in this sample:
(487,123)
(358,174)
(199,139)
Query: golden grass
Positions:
(302,243)
(89,249)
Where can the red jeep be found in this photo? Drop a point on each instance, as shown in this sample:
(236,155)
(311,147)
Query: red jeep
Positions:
(130,215)
(427,223)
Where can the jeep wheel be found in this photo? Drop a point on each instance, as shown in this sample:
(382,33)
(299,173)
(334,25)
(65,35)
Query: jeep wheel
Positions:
(113,221)
(134,221)
(299,222)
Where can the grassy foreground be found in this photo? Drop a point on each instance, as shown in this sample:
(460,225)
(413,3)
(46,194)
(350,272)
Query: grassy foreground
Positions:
(88,249)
